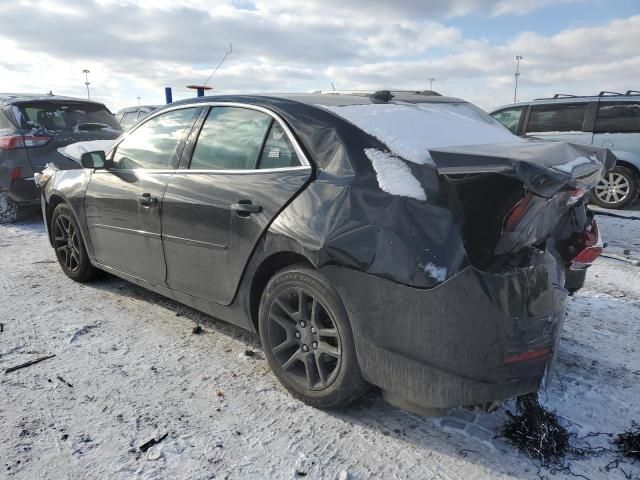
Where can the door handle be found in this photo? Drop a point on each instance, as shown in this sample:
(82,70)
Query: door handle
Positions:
(244,208)
(147,200)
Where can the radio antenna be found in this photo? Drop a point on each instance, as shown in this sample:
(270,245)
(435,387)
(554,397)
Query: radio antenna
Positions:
(229,52)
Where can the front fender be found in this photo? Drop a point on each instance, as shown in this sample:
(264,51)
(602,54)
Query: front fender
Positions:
(68,186)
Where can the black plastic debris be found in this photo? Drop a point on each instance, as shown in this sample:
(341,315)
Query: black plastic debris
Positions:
(64,381)
(628,442)
(536,431)
(249,353)
(151,442)
(197,330)
(28,364)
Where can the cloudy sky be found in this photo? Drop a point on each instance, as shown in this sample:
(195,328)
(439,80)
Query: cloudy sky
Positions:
(136,48)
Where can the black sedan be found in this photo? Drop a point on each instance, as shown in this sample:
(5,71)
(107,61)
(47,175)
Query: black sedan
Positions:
(359,235)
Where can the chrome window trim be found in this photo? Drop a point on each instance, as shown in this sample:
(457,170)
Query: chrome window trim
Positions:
(180,171)
(296,146)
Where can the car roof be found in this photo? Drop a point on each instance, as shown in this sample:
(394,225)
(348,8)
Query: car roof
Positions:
(566,98)
(11,98)
(333,98)
(139,107)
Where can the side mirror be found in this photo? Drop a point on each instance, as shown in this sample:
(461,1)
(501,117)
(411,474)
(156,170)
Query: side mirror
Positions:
(95,160)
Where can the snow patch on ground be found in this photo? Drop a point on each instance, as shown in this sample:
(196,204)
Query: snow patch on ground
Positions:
(143,374)
(394,176)
(75,150)
(410,131)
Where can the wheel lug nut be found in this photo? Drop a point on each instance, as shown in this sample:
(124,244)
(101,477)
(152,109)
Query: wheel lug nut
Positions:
(315,344)
(305,348)
(313,330)
(297,334)
(303,324)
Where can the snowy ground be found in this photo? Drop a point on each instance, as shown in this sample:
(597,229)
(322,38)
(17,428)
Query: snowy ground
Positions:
(135,371)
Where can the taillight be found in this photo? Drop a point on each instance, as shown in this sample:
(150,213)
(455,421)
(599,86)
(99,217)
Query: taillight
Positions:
(516,213)
(11,142)
(589,247)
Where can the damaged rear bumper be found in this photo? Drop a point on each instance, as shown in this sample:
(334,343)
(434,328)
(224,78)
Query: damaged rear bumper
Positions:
(477,338)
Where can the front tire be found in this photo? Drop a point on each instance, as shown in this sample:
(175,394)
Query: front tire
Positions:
(307,339)
(617,189)
(69,245)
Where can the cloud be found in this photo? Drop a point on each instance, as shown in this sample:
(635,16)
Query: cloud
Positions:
(136,48)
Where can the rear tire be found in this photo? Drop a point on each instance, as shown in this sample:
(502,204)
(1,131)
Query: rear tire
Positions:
(617,189)
(307,339)
(69,245)
(8,209)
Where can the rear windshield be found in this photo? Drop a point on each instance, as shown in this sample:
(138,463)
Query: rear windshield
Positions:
(67,116)
(411,130)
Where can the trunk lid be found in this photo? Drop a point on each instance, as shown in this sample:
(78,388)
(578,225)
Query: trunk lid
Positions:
(507,197)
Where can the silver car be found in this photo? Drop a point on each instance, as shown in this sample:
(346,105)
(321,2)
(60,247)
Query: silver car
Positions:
(610,120)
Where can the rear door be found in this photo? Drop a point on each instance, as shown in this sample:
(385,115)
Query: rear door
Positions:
(617,126)
(123,204)
(239,170)
(565,122)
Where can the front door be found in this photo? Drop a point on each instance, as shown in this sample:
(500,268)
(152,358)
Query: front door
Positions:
(123,204)
(240,172)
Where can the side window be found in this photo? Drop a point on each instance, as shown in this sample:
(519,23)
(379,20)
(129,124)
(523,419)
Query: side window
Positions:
(557,118)
(510,118)
(128,119)
(142,114)
(278,151)
(153,144)
(618,117)
(230,139)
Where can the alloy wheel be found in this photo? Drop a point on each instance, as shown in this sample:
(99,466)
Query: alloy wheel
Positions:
(304,339)
(67,243)
(614,188)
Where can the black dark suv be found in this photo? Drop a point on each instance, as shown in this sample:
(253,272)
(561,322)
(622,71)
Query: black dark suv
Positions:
(32,129)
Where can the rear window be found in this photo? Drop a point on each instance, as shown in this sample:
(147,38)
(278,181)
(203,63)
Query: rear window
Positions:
(67,116)
(557,118)
(411,130)
(618,117)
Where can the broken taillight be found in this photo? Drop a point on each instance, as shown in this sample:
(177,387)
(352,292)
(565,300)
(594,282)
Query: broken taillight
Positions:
(576,195)
(589,247)
(516,213)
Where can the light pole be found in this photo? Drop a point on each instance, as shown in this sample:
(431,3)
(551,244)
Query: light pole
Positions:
(86,82)
(431,80)
(515,91)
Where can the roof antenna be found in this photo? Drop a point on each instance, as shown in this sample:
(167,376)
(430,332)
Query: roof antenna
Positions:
(229,52)
(333,86)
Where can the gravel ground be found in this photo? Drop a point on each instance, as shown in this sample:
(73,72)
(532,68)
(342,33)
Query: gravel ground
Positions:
(128,368)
